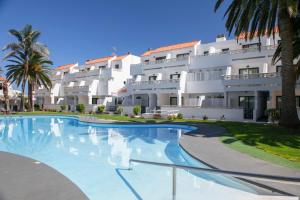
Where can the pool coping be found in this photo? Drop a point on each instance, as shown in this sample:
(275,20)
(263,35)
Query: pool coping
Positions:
(25,178)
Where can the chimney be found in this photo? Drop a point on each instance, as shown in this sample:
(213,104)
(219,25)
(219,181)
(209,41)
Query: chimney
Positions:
(128,53)
(220,38)
(149,49)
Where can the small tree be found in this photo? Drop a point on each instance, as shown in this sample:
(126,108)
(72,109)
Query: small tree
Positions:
(80,108)
(119,110)
(101,109)
(37,107)
(179,116)
(137,110)
(274,115)
(63,107)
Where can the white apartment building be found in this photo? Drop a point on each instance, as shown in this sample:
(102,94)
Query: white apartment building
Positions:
(13,95)
(94,83)
(231,79)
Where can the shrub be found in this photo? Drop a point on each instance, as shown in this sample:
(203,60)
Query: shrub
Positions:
(205,117)
(171,117)
(101,109)
(157,116)
(274,114)
(119,110)
(179,116)
(137,110)
(36,107)
(80,108)
(63,107)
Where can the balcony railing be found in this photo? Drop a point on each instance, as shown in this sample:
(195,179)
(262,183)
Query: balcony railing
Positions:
(184,58)
(76,89)
(156,82)
(252,76)
(244,50)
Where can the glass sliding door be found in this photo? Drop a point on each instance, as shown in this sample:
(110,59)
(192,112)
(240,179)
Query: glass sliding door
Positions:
(247,103)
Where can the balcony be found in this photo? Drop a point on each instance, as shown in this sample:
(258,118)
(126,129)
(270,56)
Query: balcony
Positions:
(252,81)
(92,74)
(154,86)
(158,64)
(76,90)
(42,92)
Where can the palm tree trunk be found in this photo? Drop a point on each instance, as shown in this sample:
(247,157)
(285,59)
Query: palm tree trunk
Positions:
(30,97)
(22,97)
(289,116)
(6,97)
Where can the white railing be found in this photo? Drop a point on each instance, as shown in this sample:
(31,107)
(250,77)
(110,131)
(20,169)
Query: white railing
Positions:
(244,50)
(156,82)
(185,58)
(252,76)
(76,89)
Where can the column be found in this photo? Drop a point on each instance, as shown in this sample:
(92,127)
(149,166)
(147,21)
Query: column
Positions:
(225,99)
(90,99)
(179,100)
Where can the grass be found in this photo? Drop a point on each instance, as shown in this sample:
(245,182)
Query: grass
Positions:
(267,142)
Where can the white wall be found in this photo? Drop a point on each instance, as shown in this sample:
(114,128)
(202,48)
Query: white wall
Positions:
(211,113)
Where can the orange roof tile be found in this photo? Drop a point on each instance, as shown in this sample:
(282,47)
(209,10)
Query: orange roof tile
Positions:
(2,79)
(242,36)
(103,59)
(121,57)
(170,47)
(63,67)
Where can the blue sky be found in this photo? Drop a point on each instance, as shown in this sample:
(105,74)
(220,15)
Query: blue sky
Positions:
(76,30)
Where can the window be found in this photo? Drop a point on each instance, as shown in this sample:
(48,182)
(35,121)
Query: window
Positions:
(225,50)
(65,73)
(278,68)
(94,101)
(253,45)
(173,101)
(182,55)
(88,69)
(246,71)
(152,78)
(102,66)
(1,86)
(205,53)
(175,76)
(160,59)
(117,66)
(146,61)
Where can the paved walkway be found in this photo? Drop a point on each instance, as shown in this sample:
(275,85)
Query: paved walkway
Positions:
(204,144)
(24,178)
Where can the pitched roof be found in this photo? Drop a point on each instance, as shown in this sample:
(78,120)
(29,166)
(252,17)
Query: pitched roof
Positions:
(121,57)
(171,47)
(242,36)
(2,78)
(63,67)
(97,60)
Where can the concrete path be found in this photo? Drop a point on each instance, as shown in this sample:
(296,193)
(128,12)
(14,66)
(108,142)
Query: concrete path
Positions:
(204,144)
(24,178)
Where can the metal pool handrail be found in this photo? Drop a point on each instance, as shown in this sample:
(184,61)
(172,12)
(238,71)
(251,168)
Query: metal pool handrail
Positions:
(270,178)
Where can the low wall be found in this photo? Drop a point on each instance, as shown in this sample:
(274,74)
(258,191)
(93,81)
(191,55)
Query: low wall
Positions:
(212,113)
(128,110)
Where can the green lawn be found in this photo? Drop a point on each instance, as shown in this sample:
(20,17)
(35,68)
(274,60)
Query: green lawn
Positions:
(271,143)
(268,142)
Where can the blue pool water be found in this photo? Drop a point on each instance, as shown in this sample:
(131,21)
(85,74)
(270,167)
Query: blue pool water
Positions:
(95,157)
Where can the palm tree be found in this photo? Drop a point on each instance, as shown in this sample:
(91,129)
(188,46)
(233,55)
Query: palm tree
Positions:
(261,17)
(19,55)
(39,74)
(6,97)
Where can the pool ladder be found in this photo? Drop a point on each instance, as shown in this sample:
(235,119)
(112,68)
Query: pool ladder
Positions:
(262,177)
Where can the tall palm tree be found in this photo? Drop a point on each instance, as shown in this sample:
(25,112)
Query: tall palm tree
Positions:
(261,17)
(39,74)
(19,55)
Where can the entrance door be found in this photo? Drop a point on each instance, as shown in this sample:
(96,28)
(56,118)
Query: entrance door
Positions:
(173,101)
(247,102)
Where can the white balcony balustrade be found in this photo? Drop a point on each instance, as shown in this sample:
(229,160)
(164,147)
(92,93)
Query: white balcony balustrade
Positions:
(72,90)
(158,85)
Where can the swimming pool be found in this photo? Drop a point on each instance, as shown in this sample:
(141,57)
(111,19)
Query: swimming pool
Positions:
(95,157)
